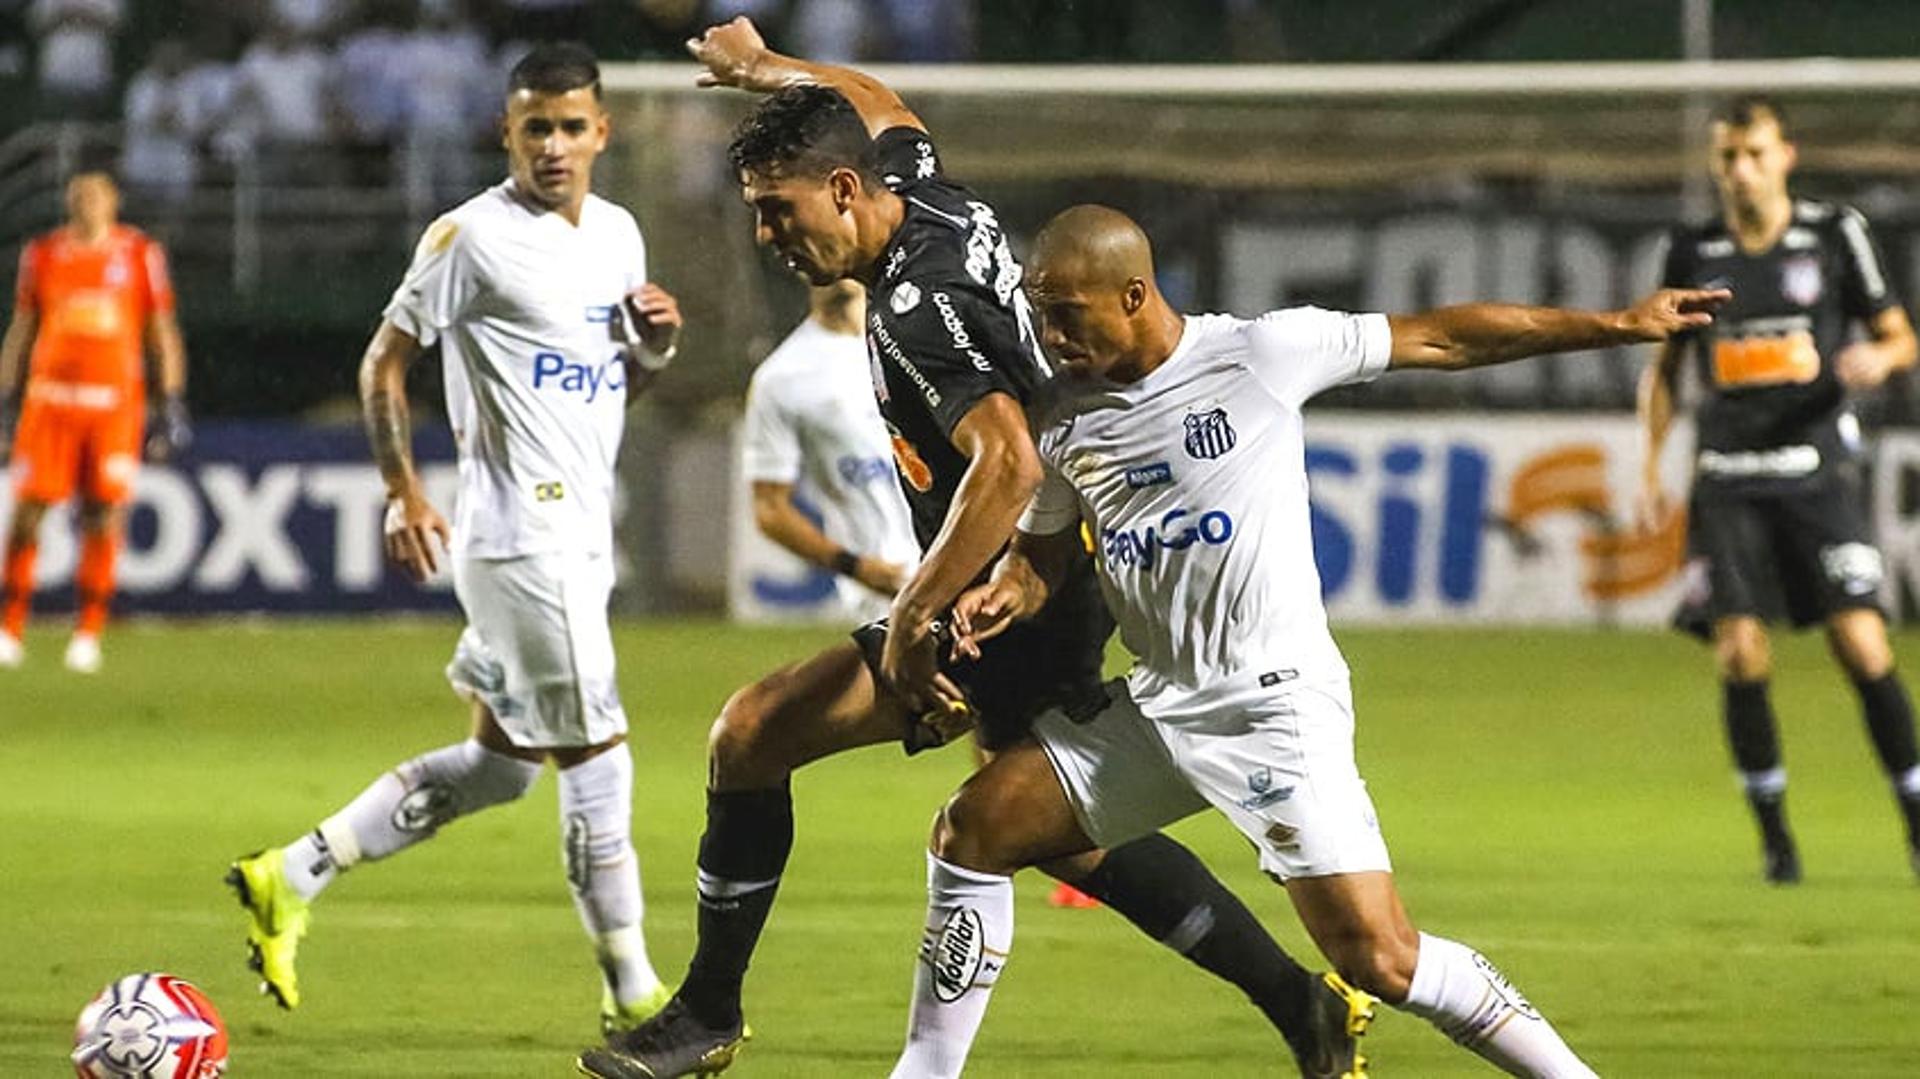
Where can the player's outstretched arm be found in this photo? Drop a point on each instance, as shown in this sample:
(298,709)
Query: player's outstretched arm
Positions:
(778,519)
(1482,334)
(411,522)
(1659,389)
(736,55)
(1003,471)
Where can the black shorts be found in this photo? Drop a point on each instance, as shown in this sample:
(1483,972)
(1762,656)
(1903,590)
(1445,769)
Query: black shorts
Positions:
(1801,553)
(1051,661)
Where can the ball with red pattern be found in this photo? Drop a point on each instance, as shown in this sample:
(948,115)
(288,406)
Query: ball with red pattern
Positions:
(150,1026)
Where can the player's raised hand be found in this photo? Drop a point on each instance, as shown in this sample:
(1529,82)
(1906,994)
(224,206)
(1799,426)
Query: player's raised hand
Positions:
(1674,310)
(730,51)
(412,525)
(910,667)
(655,315)
(982,613)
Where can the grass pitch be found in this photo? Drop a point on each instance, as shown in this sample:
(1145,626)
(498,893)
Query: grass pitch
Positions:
(1561,801)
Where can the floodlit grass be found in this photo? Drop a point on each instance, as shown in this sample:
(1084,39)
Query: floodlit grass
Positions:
(1559,800)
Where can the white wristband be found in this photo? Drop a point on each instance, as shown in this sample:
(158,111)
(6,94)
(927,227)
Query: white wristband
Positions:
(651,361)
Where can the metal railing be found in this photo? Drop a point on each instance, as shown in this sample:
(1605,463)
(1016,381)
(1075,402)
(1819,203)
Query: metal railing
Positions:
(251,216)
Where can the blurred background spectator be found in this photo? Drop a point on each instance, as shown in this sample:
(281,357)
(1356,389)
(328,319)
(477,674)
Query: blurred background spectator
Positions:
(75,62)
(159,153)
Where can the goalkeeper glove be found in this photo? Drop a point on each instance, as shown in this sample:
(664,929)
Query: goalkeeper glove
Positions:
(172,431)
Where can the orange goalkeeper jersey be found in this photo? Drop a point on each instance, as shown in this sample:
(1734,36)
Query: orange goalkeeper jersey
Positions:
(93,303)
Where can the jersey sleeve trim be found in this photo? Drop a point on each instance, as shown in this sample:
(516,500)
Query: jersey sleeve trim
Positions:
(1376,346)
(1866,260)
(429,297)
(1054,508)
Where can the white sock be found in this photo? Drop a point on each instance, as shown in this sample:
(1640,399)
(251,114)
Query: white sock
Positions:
(968,935)
(1458,991)
(310,865)
(1907,783)
(405,806)
(596,819)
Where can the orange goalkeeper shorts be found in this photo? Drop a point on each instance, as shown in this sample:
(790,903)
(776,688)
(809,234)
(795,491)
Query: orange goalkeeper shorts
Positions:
(60,445)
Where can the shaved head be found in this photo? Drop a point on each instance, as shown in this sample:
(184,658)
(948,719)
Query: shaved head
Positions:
(1092,283)
(1091,247)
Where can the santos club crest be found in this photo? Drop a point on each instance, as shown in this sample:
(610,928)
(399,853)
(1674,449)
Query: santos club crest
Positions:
(1209,435)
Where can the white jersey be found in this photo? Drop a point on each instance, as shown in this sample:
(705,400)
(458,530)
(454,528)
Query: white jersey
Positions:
(528,309)
(812,422)
(1194,483)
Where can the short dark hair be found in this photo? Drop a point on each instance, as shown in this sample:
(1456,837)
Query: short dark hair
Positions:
(804,131)
(556,67)
(1750,109)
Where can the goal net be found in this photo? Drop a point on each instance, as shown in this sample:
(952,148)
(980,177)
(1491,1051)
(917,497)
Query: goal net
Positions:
(1378,187)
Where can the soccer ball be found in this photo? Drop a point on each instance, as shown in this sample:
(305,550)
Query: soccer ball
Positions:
(150,1026)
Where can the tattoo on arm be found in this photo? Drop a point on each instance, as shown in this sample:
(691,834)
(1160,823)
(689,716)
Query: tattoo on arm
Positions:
(390,433)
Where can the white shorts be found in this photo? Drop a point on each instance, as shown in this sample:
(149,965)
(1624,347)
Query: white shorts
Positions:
(1282,771)
(537,650)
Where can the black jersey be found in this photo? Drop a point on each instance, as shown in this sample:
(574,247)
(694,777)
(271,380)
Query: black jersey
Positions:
(1774,409)
(947,325)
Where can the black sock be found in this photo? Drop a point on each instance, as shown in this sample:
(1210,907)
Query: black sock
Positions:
(1751,730)
(749,835)
(1160,886)
(1889,715)
(1890,723)
(1754,737)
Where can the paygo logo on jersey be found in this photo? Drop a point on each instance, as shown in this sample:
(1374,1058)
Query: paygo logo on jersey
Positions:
(1401,521)
(1177,530)
(551,371)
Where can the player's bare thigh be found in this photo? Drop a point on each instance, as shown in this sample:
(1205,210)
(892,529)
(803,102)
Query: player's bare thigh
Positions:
(1072,868)
(1359,924)
(1011,814)
(797,714)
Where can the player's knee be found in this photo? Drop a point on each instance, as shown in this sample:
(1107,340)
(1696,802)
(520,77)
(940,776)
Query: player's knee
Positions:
(26,521)
(1743,654)
(100,517)
(1860,647)
(741,738)
(964,835)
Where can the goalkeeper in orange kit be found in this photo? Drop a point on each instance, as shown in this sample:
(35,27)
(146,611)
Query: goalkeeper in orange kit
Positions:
(92,297)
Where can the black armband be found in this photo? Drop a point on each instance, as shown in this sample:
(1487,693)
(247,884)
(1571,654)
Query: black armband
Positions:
(844,562)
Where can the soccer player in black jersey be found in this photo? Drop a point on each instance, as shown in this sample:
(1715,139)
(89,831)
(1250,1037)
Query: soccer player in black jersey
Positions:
(1776,523)
(844,182)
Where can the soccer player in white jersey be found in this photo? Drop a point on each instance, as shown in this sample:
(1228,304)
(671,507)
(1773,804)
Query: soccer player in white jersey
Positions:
(1178,441)
(537,292)
(813,426)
